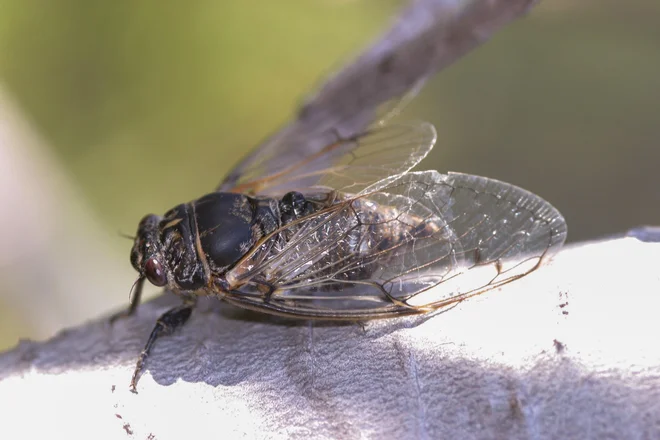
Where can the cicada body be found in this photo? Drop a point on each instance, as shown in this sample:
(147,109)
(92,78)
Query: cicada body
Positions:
(348,233)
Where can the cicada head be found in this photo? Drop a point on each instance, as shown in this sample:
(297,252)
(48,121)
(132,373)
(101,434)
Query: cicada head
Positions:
(146,255)
(165,253)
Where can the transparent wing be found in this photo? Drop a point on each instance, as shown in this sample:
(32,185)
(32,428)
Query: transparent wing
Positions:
(348,165)
(329,119)
(409,244)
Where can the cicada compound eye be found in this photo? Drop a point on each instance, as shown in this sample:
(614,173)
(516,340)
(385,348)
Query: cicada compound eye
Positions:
(155,273)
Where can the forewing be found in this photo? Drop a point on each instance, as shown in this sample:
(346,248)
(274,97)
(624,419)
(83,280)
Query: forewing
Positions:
(348,165)
(325,120)
(410,244)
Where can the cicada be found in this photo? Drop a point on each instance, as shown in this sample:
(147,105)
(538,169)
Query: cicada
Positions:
(346,233)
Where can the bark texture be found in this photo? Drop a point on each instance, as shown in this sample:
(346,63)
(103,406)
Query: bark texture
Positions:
(568,352)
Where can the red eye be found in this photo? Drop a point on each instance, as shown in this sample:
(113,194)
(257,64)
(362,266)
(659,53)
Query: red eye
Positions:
(154,272)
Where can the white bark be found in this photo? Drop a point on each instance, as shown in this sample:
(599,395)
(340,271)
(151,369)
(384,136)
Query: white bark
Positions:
(568,352)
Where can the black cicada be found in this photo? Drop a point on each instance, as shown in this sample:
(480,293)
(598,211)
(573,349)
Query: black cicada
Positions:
(347,233)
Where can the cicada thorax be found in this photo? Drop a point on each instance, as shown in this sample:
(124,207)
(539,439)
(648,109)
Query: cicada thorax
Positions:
(178,234)
(279,221)
(200,240)
(229,225)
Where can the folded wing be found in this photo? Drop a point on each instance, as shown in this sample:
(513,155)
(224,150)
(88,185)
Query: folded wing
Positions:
(408,244)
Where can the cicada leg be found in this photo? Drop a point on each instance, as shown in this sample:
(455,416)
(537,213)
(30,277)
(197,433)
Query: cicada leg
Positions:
(165,325)
(267,289)
(135,297)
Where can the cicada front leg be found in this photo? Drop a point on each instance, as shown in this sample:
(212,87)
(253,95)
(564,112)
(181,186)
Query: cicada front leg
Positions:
(165,325)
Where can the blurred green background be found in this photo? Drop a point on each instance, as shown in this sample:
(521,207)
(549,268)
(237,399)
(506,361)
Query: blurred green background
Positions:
(146,104)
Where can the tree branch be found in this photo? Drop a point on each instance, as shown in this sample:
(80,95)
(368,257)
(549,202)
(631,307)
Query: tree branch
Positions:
(566,352)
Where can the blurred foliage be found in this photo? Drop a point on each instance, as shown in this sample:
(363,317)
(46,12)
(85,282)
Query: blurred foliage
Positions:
(563,104)
(149,103)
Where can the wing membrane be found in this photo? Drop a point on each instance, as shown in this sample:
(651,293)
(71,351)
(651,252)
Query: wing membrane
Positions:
(327,117)
(409,244)
(348,165)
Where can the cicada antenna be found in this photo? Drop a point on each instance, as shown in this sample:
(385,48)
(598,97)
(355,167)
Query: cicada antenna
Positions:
(130,237)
